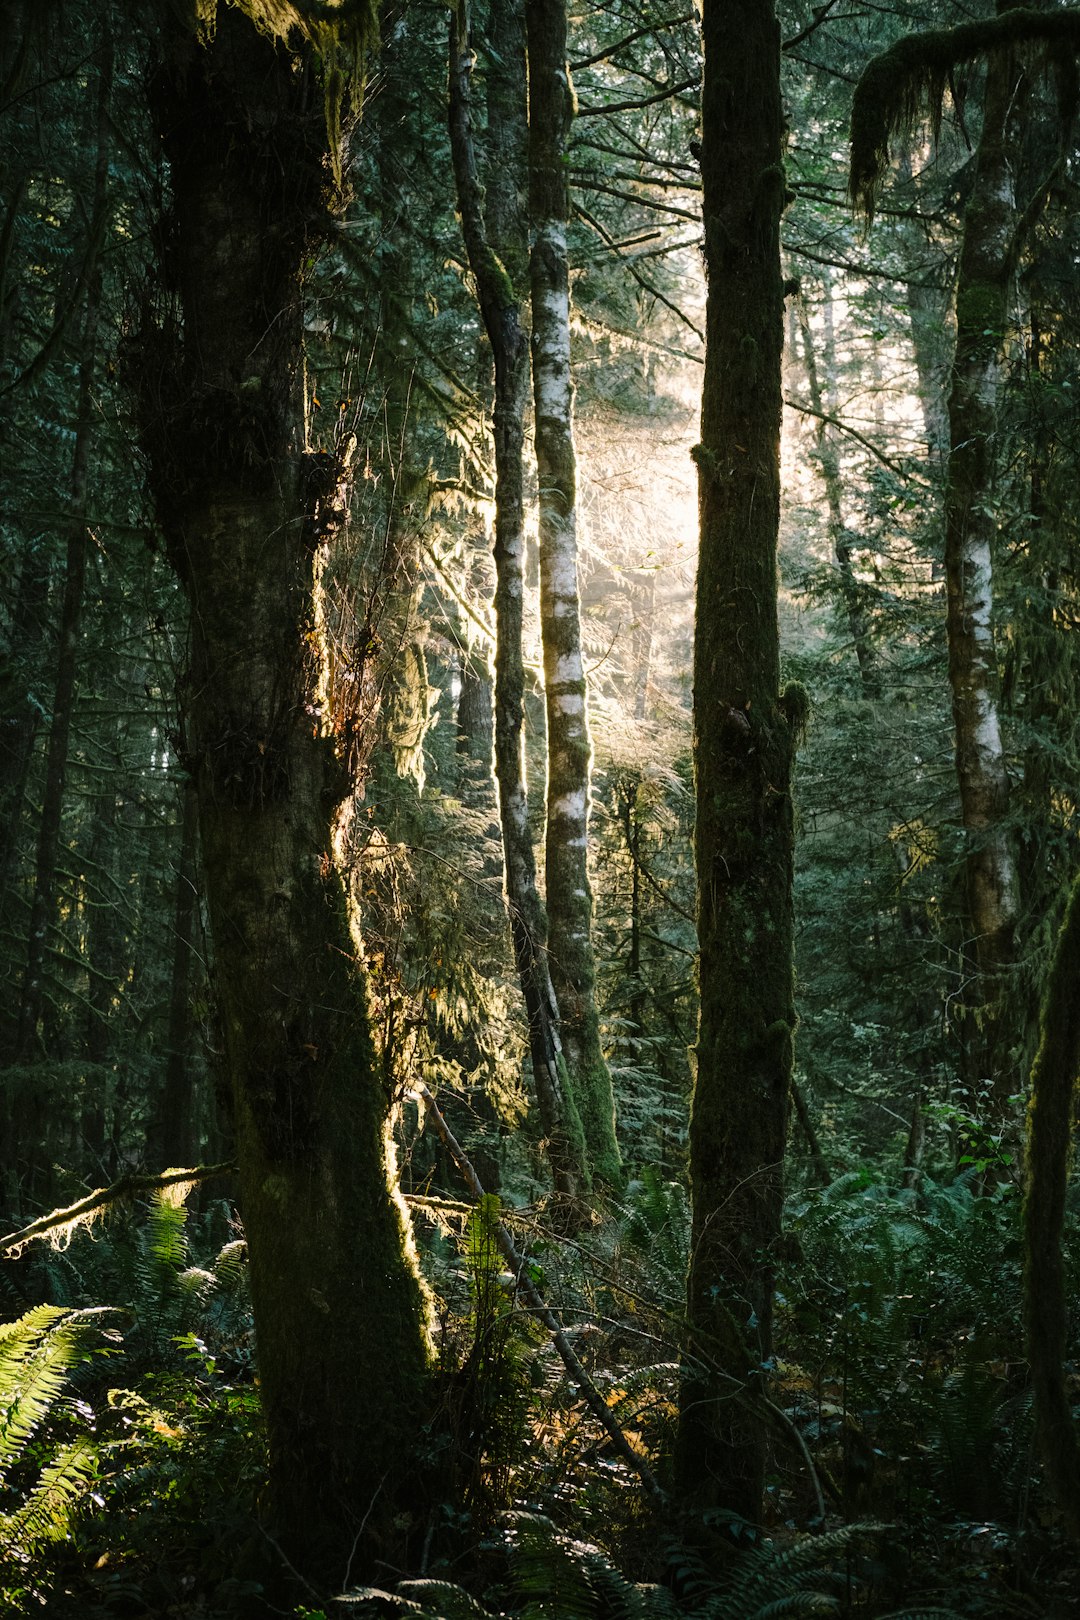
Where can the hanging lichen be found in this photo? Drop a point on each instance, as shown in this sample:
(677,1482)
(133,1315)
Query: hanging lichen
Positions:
(909,81)
(341,32)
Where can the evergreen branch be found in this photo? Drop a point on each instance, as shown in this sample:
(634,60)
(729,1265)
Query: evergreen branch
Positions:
(95,1203)
(652,28)
(643,283)
(911,77)
(639,202)
(538,1307)
(667,94)
(845,427)
(820,15)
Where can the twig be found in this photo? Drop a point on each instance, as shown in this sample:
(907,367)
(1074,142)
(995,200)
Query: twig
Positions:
(845,427)
(538,1307)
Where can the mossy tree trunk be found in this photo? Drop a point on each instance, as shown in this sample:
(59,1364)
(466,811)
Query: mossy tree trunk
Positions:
(1051,1114)
(496,245)
(567,887)
(248,518)
(743,740)
(987,259)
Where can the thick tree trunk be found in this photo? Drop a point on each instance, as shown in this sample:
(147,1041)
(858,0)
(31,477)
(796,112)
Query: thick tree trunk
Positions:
(340,1312)
(567,887)
(496,249)
(743,730)
(1050,1122)
(987,258)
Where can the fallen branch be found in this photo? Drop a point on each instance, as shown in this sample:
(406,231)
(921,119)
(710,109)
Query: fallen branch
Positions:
(65,1221)
(539,1308)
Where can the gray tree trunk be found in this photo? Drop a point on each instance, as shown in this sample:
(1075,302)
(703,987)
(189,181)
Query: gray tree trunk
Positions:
(567,887)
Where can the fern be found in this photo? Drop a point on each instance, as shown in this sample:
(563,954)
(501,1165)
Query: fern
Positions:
(38,1354)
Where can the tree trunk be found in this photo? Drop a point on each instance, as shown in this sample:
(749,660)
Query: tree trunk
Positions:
(174,1140)
(496,249)
(568,891)
(829,462)
(1053,1094)
(44,902)
(249,517)
(744,738)
(987,257)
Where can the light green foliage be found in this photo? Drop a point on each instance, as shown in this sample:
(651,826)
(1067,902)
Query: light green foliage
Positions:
(44,1483)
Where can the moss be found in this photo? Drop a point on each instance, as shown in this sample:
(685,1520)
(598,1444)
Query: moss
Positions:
(795,706)
(1050,1114)
(980,308)
(908,81)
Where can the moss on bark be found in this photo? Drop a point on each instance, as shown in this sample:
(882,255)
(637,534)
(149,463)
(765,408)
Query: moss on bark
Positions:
(568,889)
(744,742)
(1050,1118)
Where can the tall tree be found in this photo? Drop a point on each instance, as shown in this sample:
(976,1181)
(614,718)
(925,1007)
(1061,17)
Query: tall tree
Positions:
(568,891)
(894,86)
(249,518)
(743,743)
(496,242)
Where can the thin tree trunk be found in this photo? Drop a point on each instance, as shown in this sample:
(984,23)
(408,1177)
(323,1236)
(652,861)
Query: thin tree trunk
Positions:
(744,741)
(987,258)
(44,903)
(567,887)
(21,716)
(103,950)
(249,518)
(496,250)
(175,1120)
(829,462)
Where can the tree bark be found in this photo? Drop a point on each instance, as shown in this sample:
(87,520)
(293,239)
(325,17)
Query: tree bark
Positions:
(829,462)
(496,249)
(567,886)
(175,1122)
(744,730)
(987,258)
(44,902)
(249,518)
(1053,1094)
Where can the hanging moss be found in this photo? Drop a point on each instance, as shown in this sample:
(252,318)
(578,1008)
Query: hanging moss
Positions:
(342,32)
(908,81)
(1053,1088)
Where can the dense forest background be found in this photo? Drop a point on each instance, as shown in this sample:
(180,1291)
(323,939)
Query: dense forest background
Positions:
(348,808)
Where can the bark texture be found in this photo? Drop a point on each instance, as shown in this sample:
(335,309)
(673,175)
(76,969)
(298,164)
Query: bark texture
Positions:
(248,518)
(1053,1097)
(987,257)
(744,731)
(568,891)
(496,245)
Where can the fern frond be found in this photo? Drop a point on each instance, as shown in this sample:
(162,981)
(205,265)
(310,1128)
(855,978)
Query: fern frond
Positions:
(444,1599)
(37,1355)
(46,1513)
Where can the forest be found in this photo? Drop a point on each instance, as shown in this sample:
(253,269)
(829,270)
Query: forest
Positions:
(539,809)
